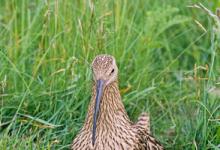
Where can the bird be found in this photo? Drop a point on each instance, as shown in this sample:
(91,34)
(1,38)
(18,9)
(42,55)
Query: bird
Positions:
(107,125)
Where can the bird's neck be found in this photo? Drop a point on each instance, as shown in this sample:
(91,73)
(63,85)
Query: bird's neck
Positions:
(111,106)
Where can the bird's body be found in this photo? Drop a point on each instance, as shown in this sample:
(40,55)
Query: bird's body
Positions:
(112,128)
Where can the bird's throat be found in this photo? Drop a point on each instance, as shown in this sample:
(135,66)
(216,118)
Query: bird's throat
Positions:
(110,106)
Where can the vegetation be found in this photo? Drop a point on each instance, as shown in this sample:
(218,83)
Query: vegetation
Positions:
(168,57)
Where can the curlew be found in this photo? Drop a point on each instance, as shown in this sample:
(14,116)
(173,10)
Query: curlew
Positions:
(107,125)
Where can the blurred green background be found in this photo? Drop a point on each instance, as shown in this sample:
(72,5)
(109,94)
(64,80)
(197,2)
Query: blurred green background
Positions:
(167,53)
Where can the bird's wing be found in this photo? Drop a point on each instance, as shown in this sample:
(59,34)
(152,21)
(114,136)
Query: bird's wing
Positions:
(152,143)
(143,122)
(146,141)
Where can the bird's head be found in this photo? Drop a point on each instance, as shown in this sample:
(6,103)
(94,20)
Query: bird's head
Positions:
(105,71)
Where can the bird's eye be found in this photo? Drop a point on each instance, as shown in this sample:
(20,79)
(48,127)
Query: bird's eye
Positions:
(112,71)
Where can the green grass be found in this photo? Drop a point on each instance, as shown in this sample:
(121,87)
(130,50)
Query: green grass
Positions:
(46,48)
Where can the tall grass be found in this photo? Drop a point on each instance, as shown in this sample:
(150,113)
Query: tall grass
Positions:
(167,53)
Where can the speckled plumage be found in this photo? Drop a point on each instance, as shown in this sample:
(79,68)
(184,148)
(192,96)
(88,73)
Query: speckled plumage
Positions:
(114,128)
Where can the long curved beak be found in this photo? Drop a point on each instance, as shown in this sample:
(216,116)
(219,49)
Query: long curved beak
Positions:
(99,90)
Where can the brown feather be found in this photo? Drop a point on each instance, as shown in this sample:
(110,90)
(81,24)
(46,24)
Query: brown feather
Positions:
(114,128)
